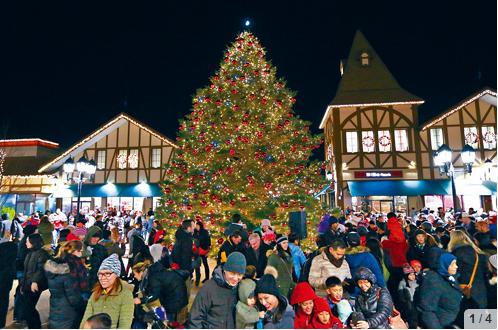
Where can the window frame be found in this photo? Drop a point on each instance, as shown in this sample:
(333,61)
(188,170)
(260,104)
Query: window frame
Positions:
(363,135)
(434,148)
(396,140)
(152,157)
(346,141)
(380,147)
(99,151)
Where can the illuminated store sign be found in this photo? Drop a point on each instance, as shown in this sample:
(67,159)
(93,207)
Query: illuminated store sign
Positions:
(377,174)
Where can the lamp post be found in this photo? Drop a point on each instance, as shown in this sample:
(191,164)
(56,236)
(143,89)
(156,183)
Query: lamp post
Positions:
(443,159)
(83,166)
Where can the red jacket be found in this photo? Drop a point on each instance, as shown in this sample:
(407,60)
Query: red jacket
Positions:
(302,320)
(396,245)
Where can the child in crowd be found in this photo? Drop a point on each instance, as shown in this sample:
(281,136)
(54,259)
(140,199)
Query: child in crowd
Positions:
(406,293)
(247,315)
(337,299)
(98,321)
(250,272)
(417,267)
(323,317)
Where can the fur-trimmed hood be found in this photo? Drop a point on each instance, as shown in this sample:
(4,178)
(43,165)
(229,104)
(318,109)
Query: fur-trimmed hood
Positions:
(357,249)
(272,271)
(53,268)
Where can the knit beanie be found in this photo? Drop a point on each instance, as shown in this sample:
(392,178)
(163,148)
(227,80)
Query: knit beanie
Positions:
(267,284)
(415,263)
(265,222)
(321,305)
(407,269)
(282,239)
(111,263)
(236,262)
(156,251)
(353,239)
(29,229)
(301,293)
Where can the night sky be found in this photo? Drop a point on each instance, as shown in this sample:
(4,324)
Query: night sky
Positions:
(70,66)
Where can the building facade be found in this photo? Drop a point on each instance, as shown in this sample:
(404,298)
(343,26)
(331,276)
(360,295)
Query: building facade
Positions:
(22,188)
(129,158)
(377,157)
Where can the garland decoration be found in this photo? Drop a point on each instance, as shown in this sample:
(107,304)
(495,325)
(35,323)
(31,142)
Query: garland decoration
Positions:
(471,138)
(489,137)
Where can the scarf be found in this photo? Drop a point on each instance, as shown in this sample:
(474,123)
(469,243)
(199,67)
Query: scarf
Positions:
(336,262)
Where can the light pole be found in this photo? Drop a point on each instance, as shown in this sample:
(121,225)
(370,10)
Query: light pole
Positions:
(443,159)
(83,166)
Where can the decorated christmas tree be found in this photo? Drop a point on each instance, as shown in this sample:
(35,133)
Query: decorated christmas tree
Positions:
(242,150)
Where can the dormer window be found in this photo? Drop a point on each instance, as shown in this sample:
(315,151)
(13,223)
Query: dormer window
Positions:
(365,59)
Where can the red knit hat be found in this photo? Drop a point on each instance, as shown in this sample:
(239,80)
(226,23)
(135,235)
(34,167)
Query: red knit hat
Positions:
(302,292)
(414,263)
(72,237)
(321,305)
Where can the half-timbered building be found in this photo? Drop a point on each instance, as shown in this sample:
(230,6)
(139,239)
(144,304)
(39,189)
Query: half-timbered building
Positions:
(377,157)
(129,158)
(473,122)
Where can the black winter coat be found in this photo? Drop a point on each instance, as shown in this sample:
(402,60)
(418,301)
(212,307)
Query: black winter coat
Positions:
(465,260)
(166,285)
(416,253)
(66,302)
(376,305)
(33,269)
(214,305)
(261,261)
(99,253)
(8,254)
(182,251)
(226,249)
(202,238)
(438,301)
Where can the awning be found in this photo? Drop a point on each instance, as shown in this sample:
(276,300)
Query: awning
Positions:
(399,187)
(323,191)
(485,188)
(111,190)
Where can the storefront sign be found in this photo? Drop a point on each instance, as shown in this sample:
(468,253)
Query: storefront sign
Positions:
(377,174)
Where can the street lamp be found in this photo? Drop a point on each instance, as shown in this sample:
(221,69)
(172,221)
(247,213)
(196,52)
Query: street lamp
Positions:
(83,166)
(443,159)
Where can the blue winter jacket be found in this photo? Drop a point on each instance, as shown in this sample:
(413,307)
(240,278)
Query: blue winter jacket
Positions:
(298,258)
(360,256)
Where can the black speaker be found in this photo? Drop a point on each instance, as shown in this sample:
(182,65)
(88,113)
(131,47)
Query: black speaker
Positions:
(297,224)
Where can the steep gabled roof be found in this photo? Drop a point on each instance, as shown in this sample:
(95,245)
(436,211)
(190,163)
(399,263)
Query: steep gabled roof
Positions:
(364,85)
(486,94)
(105,129)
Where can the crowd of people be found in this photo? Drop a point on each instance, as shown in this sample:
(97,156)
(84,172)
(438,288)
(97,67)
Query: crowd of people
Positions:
(118,270)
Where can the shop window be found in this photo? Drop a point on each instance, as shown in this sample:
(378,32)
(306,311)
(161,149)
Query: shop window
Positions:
(101,154)
(351,141)
(401,139)
(368,141)
(488,137)
(156,158)
(133,158)
(436,138)
(471,137)
(122,158)
(384,139)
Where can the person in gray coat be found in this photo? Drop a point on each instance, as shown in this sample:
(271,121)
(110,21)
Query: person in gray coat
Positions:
(214,305)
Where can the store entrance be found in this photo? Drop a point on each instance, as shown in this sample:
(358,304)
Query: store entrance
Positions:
(382,206)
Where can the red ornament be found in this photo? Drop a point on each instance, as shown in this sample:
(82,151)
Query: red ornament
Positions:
(251,97)
(234,91)
(264,101)
(220,241)
(232,152)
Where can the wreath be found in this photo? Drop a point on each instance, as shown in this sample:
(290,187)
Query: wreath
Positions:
(385,141)
(122,160)
(471,138)
(368,141)
(489,137)
(133,160)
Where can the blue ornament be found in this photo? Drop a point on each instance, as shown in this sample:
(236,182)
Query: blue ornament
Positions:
(200,99)
(215,144)
(297,181)
(269,158)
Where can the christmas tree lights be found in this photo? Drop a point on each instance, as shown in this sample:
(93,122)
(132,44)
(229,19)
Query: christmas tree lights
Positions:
(242,150)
